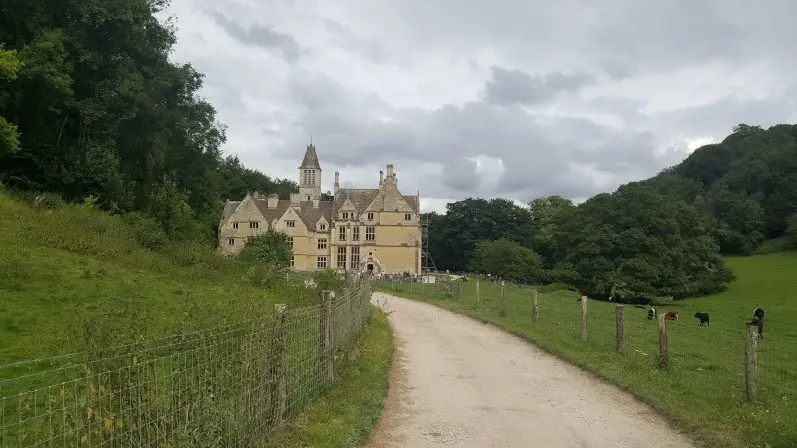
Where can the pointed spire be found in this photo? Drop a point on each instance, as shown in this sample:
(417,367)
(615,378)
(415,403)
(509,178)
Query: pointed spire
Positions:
(310,158)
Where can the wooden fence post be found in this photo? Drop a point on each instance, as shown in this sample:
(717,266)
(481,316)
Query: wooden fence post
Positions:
(477,290)
(664,356)
(584,322)
(277,374)
(536,312)
(326,346)
(620,312)
(751,364)
(502,301)
(459,285)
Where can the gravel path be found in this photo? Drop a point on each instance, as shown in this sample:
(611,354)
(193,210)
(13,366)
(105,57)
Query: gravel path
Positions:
(459,383)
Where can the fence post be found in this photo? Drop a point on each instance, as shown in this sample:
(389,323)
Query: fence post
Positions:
(536,312)
(584,323)
(459,283)
(751,364)
(277,377)
(664,356)
(502,301)
(477,290)
(620,310)
(327,361)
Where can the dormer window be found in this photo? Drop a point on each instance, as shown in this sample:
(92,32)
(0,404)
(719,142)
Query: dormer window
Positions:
(407,216)
(345,215)
(322,226)
(370,216)
(235,225)
(290,223)
(254,225)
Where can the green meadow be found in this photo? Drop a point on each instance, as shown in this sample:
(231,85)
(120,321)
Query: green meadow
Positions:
(702,390)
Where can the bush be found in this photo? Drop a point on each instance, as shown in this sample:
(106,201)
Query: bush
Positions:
(147,231)
(269,247)
(329,280)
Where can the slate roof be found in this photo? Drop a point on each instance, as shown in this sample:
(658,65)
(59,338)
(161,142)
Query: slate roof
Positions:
(310,160)
(361,198)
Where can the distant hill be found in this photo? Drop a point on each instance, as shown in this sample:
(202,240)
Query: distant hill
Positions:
(745,186)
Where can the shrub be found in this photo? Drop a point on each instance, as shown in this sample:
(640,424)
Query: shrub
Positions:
(147,231)
(270,247)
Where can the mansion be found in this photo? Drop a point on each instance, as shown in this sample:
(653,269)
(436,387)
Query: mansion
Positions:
(360,229)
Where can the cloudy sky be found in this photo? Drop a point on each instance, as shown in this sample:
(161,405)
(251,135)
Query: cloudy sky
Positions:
(508,98)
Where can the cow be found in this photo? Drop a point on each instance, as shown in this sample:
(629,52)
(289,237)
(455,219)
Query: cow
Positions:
(758,321)
(704,319)
(651,313)
(671,315)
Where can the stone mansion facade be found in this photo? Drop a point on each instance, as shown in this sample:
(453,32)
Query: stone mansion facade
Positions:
(360,229)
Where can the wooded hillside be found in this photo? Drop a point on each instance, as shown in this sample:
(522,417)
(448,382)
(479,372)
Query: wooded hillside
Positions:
(90,105)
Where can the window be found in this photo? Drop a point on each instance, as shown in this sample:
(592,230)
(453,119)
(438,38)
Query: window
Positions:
(345,215)
(322,243)
(370,216)
(322,227)
(309,178)
(293,262)
(290,241)
(254,225)
(370,233)
(342,257)
(342,233)
(235,225)
(407,216)
(322,262)
(355,257)
(355,234)
(230,241)
(290,223)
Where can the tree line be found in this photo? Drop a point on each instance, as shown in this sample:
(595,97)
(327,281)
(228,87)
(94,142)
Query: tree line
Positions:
(664,236)
(91,107)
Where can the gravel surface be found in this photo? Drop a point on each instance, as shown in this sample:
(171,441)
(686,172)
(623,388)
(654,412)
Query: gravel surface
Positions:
(459,383)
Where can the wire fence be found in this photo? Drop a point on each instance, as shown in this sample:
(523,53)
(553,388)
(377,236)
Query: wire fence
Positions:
(229,386)
(711,367)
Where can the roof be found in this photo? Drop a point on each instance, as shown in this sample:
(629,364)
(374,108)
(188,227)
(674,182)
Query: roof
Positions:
(310,159)
(361,198)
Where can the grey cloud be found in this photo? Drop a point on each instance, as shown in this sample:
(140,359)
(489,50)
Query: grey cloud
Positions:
(509,87)
(461,175)
(541,157)
(259,36)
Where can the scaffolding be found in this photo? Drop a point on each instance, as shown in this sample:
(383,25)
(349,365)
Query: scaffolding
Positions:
(427,265)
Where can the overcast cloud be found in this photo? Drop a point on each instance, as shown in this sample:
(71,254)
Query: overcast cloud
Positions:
(507,98)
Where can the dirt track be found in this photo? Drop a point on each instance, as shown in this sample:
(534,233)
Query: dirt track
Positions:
(457,382)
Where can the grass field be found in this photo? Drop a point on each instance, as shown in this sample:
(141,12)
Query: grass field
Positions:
(104,342)
(344,417)
(702,391)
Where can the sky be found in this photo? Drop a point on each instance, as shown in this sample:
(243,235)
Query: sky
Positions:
(507,98)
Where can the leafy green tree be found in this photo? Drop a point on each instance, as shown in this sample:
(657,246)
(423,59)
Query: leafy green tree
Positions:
(791,232)
(270,247)
(508,260)
(547,215)
(9,66)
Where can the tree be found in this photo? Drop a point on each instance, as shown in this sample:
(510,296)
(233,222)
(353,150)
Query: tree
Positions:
(791,232)
(270,247)
(638,244)
(9,66)
(507,259)
(547,215)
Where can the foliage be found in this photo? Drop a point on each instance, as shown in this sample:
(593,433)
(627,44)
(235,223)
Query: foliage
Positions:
(637,243)
(791,231)
(329,279)
(507,259)
(269,247)
(90,105)
(745,186)
(456,234)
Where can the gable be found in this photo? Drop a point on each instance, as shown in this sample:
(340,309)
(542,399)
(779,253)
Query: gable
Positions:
(291,215)
(246,210)
(390,199)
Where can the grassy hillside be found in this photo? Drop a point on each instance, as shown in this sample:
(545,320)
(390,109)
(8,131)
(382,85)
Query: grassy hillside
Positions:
(702,391)
(71,275)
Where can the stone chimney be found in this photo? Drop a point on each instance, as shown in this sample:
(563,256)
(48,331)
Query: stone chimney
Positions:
(295,199)
(337,182)
(273,200)
(389,170)
(381,177)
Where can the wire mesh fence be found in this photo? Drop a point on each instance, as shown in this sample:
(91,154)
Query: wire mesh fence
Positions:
(228,386)
(707,365)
